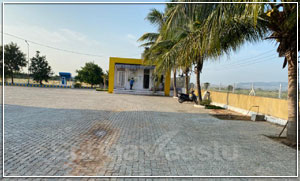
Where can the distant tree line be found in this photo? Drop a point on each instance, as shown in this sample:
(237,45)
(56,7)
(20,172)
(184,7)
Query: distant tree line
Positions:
(15,61)
(40,70)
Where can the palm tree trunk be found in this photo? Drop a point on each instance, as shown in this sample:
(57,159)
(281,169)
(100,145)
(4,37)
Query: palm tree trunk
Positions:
(174,83)
(198,70)
(187,82)
(104,85)
(199,97)
(12,78)
(292,97)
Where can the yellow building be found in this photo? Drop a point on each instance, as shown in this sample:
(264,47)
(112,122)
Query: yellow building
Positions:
(126,71)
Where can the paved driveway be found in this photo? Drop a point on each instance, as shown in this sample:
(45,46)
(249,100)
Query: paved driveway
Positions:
(58,132)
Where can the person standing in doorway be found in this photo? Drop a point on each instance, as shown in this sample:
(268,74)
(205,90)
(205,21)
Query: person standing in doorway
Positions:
(131,83)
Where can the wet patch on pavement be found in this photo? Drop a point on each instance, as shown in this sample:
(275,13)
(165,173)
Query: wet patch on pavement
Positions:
(92,153)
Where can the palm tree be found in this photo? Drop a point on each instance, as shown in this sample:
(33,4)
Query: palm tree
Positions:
(186,71)
(184,17)
(206,36)
(155,46)
(157,18)
(206,39)
(281,20)
(252,22)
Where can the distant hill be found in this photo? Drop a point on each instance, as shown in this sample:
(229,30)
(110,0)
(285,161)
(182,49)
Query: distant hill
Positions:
(263,85)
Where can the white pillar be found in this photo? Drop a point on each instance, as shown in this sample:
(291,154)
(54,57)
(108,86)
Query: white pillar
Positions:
(279,93)
(233,88)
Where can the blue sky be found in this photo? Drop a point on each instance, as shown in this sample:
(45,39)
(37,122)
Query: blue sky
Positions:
(112,30)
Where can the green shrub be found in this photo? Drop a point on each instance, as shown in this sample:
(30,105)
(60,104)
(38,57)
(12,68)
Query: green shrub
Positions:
(212,107)
(205,102)
(100,89)
(77,85)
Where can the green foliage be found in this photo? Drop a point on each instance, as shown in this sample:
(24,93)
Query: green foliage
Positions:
(100,89)
(14,60)
(206,85)
(229,88)
(77,85)
(91,73)
(212,107)
(205,102)
(39,68)
(105,79)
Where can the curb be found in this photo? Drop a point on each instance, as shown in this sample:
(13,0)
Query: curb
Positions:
(44,86)
(199,106)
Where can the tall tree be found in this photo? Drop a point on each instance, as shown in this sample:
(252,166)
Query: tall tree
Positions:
(1,66)
(281,20)
(156,44)
(205,24)
(185,17)
(91,73)
(14,60)
(40,69)
(252,22)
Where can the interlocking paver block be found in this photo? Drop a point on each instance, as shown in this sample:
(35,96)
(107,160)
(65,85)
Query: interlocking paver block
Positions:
(83,132)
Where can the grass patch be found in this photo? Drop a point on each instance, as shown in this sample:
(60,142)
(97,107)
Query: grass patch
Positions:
(205,103)
(212,107)
(100,89)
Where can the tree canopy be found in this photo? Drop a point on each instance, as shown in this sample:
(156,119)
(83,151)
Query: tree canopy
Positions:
(14,60)
(91,73)
(40,69)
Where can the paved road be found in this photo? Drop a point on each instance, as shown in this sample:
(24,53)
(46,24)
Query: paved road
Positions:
(59,132)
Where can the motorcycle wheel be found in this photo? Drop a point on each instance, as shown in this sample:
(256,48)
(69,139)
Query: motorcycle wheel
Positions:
(180,100)
(195,101)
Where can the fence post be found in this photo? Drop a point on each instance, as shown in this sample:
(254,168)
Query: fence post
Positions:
(279,93)
(252,92)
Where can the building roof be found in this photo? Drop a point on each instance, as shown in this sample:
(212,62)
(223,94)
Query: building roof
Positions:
(65,74)
(135,67)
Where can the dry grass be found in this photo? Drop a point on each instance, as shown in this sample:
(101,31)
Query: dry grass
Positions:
(225,114)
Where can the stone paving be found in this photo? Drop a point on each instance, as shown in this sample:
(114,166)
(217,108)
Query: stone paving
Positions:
(63,132)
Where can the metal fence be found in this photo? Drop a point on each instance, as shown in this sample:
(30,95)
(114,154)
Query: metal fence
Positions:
(273,90)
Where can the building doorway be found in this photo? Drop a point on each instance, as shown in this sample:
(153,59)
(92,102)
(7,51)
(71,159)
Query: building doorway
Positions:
(146,78)
(121,79)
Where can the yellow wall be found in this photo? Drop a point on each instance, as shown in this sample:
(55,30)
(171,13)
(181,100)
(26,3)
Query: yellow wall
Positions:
(114,60)
(268,106)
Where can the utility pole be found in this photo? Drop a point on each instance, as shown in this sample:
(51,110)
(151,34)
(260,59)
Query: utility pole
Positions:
(220,87)
(279,93)
(28,62)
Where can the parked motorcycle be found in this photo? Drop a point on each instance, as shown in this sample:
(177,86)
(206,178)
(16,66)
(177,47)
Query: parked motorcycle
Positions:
(186,97)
